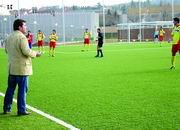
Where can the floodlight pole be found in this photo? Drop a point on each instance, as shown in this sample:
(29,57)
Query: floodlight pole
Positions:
(129,33)
(1,29)
(172,3)
(35,20)
(63,22)
(19,15)
(140,22)
(104,23)
(5,27)
(34,26)
(9,8)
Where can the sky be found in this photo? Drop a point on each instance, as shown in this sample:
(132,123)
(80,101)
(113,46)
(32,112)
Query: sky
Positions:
(40,3)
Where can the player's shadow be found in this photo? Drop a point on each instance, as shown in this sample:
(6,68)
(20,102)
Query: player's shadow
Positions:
(2,115)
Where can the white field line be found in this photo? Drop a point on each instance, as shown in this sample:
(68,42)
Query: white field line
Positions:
(48,116)
(71,52)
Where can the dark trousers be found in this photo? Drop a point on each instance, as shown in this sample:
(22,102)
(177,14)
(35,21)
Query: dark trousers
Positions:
(99,50)
(30,45)
(22,82)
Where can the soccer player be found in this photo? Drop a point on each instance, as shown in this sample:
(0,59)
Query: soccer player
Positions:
(87,36)
(175,41)
(40,41)
(52,44)
(99,43)
(161,35)
(30,39)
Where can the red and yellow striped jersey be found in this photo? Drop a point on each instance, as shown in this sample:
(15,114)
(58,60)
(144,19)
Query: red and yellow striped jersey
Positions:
(161,32)
(87,35)
(53,37)
(176,34)
(40,37)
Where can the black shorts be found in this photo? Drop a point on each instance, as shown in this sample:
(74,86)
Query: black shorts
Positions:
(156,36)
(100,45)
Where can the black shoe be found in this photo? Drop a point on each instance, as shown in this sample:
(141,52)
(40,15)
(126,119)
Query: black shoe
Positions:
(172,67)
(96,56)
(6,112)
(23,113)
(102,56)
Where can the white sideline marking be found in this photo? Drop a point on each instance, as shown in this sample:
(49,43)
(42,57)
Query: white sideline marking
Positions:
(125,49)
(48,116)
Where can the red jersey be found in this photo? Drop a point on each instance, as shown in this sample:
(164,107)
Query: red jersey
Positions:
(30,38)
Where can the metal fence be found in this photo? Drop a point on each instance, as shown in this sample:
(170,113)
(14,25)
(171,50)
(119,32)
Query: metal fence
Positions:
(75,24)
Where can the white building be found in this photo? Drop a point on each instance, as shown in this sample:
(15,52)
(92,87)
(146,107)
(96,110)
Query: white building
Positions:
(3,10)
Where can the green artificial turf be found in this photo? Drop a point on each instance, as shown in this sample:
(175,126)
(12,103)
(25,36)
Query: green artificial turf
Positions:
(130,88)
